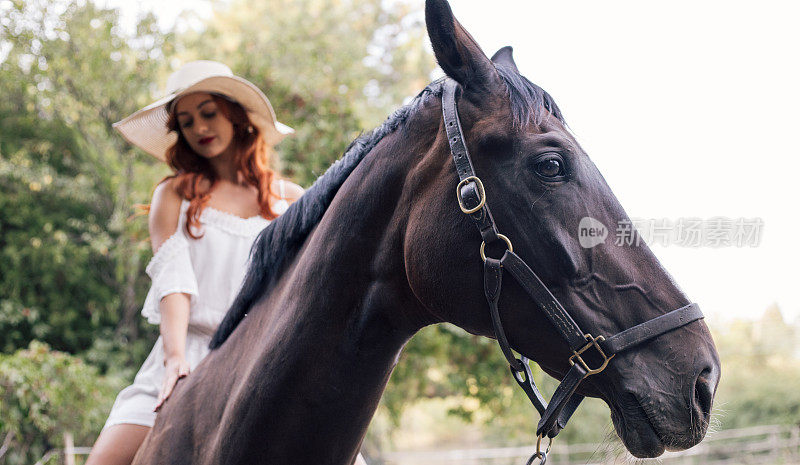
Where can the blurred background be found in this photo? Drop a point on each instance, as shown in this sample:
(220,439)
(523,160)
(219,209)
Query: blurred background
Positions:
(689,110)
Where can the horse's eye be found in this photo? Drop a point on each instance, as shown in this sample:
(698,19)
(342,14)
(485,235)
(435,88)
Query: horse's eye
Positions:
(550,167)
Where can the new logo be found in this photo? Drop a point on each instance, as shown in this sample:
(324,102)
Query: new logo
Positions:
(591,232)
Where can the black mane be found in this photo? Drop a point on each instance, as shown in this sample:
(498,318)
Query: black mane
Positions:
(279,243)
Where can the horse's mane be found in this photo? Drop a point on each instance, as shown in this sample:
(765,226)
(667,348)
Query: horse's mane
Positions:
(279,243)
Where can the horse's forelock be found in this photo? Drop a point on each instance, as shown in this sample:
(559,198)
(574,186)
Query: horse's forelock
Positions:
(529,102)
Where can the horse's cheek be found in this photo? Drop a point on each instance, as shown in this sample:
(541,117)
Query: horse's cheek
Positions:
(435,267)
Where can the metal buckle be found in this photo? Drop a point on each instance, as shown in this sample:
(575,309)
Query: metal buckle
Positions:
(504,238)
(593,342)
(482,192)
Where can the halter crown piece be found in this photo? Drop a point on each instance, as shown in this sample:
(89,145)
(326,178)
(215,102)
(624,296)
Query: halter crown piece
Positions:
(555,414)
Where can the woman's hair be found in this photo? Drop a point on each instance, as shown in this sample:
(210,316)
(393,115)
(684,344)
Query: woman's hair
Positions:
(252,160)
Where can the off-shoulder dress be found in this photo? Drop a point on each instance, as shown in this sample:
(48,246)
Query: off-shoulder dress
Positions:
(210,269)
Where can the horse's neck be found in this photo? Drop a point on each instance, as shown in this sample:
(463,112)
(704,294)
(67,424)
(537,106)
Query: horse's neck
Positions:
(329,335)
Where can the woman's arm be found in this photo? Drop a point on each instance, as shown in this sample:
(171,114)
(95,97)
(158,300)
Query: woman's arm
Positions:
(174,324)
(163,223)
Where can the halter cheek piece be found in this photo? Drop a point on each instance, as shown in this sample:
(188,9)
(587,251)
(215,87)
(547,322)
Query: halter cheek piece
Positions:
(554,415)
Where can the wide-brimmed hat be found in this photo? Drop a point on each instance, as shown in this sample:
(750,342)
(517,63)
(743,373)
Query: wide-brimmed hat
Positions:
(147,128)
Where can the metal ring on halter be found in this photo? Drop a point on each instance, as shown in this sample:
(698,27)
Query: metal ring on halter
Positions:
(504,238)
(542,456)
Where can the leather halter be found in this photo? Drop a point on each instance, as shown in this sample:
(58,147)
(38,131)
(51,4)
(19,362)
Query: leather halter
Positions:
(472,200)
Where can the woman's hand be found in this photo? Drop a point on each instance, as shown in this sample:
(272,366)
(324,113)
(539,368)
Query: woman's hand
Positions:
(175,368)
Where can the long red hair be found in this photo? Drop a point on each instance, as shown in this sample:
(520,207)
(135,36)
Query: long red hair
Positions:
(252,158)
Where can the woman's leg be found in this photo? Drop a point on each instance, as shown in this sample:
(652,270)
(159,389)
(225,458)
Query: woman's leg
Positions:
(117,445)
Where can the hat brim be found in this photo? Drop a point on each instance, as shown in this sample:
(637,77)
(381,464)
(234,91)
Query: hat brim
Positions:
(147,128)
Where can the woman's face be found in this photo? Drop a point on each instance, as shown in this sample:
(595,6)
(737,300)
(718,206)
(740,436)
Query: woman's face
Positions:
(208,132)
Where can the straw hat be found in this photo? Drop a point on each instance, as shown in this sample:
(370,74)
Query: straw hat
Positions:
(147,128)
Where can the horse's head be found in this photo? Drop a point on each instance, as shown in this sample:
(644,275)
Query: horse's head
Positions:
(545,192)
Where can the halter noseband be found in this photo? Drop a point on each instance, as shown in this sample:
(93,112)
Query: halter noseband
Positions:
(472,201)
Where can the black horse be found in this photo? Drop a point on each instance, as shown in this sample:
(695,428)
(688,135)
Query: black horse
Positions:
(378,248)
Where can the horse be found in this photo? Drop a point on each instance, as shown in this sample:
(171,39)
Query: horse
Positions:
(378,248)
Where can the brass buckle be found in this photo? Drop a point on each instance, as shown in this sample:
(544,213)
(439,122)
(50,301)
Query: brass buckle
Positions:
(482,192)
(593,342)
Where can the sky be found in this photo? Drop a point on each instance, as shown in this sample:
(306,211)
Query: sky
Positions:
(689,109)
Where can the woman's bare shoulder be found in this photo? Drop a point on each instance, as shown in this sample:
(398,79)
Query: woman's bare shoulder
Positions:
(290,190)
(165,209)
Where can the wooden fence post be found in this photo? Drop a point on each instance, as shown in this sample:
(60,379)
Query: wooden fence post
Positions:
(69,449)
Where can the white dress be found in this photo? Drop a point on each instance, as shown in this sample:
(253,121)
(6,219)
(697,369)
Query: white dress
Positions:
(211,270)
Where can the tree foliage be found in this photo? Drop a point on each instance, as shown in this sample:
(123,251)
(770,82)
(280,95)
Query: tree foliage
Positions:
(330,68)
(73,260)
(44,394)
(72,249)
(761,369)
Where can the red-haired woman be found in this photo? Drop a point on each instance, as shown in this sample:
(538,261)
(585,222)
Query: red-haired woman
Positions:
(216,131)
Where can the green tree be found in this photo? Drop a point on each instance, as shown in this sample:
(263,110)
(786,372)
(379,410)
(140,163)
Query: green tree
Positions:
(760,371)
(330,68)
(44,394)
(72,261)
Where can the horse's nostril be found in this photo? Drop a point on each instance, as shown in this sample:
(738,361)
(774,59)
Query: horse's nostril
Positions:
(704,392)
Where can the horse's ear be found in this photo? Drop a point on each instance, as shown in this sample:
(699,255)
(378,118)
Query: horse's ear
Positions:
(456,51)
(504,57)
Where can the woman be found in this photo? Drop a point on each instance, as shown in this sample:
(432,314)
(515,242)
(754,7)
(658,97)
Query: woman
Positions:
(215,130)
